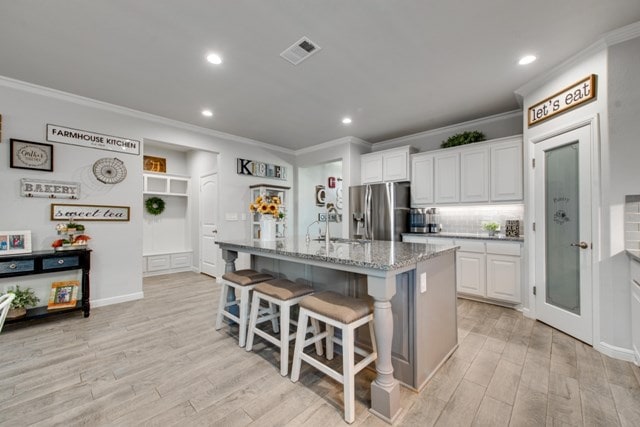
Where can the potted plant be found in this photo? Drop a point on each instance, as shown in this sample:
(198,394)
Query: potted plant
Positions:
(491,227)
(24,298)
(72,227)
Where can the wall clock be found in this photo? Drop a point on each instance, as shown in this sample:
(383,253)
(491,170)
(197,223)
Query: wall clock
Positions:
(109,170)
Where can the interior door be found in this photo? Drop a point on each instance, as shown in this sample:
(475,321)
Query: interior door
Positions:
(209,251)
(563,233)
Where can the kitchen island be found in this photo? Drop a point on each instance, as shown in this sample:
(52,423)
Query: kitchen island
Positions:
(413,291)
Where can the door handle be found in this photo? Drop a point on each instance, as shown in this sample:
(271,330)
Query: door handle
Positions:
(581,245)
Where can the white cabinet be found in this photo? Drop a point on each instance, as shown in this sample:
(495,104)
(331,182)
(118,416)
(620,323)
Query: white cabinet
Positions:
(474,175)
(421,179)
(506,170)
(164,184)
(470,272)
(635,308)
(447,177)
(385,166)
(165,263)
(503,277)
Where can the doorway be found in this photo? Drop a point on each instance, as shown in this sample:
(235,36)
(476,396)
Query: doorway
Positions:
(563,248)
(209,224)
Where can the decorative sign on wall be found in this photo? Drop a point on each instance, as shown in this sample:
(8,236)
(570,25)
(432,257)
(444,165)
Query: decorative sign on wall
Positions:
(566,99)
(266,170)
(155,164)
(88,139)
(89,212)
(31,155)
(49,189)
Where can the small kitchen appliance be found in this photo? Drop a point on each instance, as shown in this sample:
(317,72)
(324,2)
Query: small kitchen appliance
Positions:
(418,221)
(432,221)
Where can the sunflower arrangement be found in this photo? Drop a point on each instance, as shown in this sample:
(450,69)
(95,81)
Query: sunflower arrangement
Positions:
(266,205)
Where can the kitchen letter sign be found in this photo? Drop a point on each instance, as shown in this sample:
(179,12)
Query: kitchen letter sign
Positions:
(266,170)
(566,99)
(89,212)
(84,138)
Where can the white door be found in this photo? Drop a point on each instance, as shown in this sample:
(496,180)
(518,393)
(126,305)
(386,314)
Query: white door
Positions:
(208,224)
(563,233)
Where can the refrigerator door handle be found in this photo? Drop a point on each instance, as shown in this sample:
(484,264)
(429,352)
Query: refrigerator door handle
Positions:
(367,213)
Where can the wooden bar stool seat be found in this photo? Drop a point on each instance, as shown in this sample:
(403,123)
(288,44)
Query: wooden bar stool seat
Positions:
(336,311)
(243,282)
(284,294)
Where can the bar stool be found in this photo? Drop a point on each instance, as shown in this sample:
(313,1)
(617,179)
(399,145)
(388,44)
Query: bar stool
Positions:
(284,294)
(346,313)
(242,281)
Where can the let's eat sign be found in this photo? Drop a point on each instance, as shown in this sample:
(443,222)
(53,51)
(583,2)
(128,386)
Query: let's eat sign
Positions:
(568,98)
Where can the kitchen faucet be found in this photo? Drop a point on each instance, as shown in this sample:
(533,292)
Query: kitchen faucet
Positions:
(307,238)
(330,208)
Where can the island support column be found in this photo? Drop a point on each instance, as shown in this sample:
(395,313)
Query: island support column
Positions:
(229,258)
(385,389)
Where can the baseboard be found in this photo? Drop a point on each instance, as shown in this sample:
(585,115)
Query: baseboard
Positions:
(116,300)
(625,354)
(526,312)
(168,271)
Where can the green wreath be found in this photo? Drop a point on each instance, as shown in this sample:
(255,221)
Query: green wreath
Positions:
(154,205)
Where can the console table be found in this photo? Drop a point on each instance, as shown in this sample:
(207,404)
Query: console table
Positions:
(40,262)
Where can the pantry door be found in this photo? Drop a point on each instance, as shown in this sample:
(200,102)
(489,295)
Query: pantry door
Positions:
(563,267)
(209,251)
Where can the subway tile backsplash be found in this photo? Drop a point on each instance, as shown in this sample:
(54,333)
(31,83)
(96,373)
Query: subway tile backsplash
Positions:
(469,219)
(632,223)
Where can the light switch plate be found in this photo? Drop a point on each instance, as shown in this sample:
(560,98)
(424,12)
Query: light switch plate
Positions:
(423,282)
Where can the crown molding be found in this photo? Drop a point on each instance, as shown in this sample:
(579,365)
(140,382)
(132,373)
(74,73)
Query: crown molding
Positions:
(403,140)
(611,38)
(105,106)
(333,143)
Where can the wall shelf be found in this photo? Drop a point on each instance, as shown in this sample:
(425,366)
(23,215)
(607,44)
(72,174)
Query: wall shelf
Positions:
(165,184)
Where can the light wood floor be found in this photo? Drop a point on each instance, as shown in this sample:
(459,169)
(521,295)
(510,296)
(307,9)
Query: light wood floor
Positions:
(158,361)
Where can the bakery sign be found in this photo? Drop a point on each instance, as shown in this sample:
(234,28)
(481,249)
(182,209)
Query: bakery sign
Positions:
(88,139)
(564,100)
(49,189)
(260,169)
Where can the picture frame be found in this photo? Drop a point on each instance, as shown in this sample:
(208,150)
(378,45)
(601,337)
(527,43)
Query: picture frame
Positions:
(63,294)
(155,164)
(15,242)
(31,155)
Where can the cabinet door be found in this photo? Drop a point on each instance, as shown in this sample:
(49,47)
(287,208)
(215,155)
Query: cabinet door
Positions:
(506,171)
(371,168)
(635,318)
(474,175)
(395,166)
(447,178)
(414,239)
(421,180)
(503,277)
(470,272)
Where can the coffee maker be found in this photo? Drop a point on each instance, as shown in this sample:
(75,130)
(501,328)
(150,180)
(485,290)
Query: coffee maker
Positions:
(418,221)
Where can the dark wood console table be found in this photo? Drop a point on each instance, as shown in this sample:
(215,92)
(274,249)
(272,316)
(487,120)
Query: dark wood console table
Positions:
(41,262)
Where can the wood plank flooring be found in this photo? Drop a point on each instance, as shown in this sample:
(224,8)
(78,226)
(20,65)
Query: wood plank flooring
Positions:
(158,361)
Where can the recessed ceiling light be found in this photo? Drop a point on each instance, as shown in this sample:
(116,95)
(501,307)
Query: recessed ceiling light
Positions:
(214,58)
(527,60)
(207,113)
(346,121)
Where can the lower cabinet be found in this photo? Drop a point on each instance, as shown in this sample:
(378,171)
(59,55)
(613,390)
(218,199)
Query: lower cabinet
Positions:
(503,277)
(166,263)
(470,273)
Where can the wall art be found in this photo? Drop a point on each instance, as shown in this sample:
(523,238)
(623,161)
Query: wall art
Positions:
(564,100)
(88,139)
(49,189)
(69,212)
(15,242)
(155,164)
(261,169)
(109,170)
(31,155)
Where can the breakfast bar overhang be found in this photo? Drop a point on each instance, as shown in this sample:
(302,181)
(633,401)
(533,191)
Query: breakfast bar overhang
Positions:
(424,273)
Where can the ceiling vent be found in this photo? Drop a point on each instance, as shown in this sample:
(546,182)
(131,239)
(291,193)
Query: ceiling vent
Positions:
(300,50)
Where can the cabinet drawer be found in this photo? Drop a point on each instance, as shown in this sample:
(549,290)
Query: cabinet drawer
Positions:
(470,246)
(60,262)
(635,271)
(16,266)
(503,248)
(440,241)
(158,262)
(180,260)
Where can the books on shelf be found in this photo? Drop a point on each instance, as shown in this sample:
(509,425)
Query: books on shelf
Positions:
(63,294)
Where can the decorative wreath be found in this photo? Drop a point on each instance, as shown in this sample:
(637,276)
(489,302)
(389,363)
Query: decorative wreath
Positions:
(154,205)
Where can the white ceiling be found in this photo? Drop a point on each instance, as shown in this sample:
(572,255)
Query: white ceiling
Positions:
(396,67)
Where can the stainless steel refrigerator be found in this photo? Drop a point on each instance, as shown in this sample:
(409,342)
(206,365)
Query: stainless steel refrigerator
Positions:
(379,211)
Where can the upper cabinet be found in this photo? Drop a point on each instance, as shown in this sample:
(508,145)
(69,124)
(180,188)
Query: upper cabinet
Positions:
(483,172)
(387,165)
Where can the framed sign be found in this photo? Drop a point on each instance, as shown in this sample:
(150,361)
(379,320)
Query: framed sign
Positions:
(49,189)
(564,100)
(155,164)
(15,242)
(84,138)
(68,212)
(31,155)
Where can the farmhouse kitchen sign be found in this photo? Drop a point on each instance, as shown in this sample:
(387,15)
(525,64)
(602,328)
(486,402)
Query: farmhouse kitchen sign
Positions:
(88,139)
(566,99)
(89,212)
(266,170)
(50,189)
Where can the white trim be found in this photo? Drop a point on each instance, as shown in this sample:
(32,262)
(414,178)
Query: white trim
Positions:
(81,100)
(609,39)
(403,140)
(615,352)
(116,300)
(332,143)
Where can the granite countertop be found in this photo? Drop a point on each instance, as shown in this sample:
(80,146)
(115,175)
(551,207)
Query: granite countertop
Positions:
(634,254)
(477,236)
(376,254)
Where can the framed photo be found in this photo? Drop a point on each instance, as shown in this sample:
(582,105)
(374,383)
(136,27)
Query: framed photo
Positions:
(15,242)
(155,164)
(31,155)
(67,212)
(63,294)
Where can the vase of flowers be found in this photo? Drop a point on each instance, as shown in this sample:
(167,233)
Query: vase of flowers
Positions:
(268,207)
